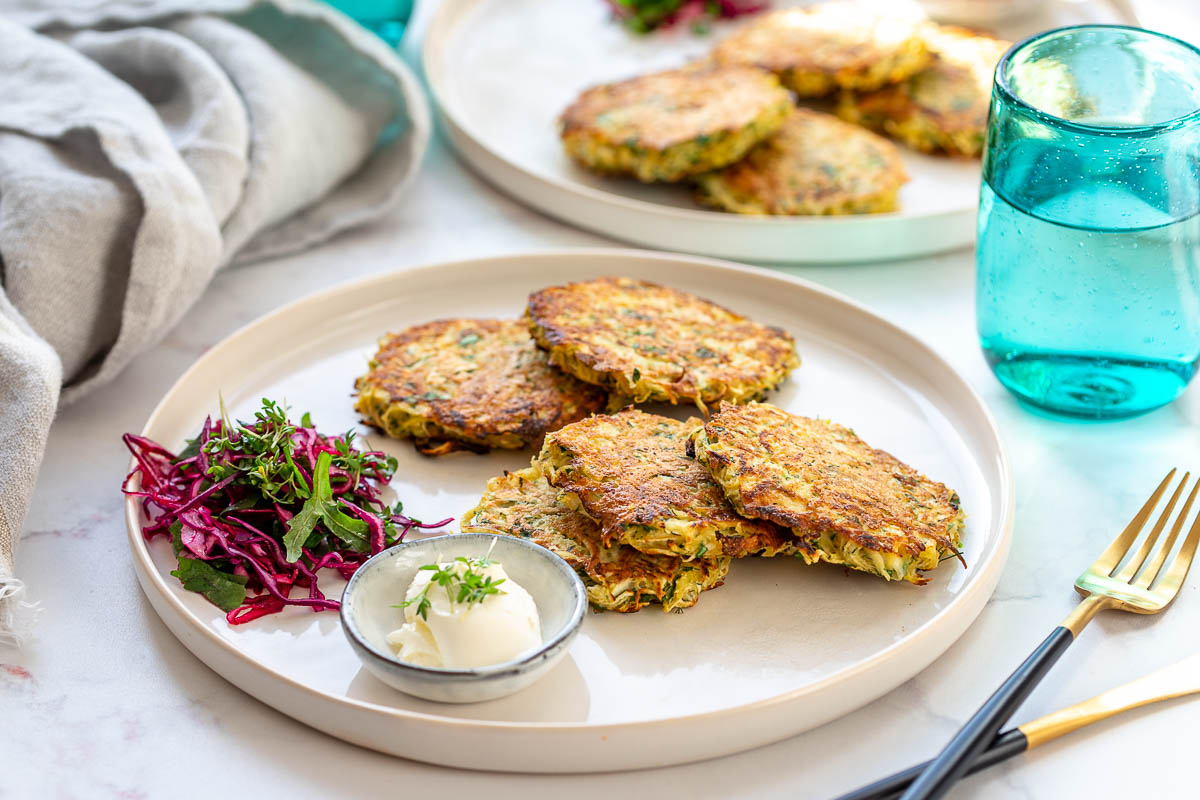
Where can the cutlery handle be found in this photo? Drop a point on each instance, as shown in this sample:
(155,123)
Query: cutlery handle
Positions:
(1003,747)
(981,729)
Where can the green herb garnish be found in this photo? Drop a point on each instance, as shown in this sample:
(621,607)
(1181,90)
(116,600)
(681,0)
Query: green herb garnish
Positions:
(463,585)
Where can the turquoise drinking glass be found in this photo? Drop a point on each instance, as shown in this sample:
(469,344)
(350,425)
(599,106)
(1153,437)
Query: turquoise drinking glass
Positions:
(1088,284)
(386,18)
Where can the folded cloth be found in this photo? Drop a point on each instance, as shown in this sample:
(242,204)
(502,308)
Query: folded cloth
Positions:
(144,145)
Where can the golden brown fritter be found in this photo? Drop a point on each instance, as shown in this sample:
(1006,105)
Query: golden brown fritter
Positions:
(944,107)
(818,49)
(669,125)
(648,342)
(617,577)
(630,472)
(816,164)
(474,383)
(845,502)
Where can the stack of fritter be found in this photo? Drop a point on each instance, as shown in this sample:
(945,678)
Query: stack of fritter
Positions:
(646,508)
(479,384)
(620,499)
(651,510)
(727,125)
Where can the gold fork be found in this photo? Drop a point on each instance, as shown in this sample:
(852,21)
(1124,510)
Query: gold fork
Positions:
(1139,586)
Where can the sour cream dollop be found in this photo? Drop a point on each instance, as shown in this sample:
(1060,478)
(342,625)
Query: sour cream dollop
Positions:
(456,634)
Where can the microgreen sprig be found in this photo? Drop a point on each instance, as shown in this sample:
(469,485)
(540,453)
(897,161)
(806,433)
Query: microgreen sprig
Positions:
(463,584)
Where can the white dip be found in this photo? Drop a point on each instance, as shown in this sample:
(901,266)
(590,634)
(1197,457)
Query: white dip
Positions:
(476,632)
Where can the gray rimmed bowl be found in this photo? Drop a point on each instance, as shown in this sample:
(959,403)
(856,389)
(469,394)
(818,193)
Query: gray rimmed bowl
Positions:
(383,580)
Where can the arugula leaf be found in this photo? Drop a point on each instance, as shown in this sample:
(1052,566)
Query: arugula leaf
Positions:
(321,507)
(301,525)
(351,530)
(298,529)
(322,490)
(299,483)
(224,590)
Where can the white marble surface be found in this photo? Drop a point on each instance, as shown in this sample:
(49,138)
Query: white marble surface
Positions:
(105,703)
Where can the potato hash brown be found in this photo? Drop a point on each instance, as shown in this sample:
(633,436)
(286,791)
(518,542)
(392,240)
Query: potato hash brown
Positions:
(816,164)
(474,383)
(943,108)
(818,49)
(617,577)
(651,343)
(630,472)
(669,125)
(845,502)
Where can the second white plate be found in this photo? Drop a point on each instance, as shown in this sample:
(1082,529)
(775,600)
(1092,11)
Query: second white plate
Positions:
(778,649)
(501,71)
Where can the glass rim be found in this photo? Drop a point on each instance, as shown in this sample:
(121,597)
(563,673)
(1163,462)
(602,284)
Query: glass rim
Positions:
(1001,84)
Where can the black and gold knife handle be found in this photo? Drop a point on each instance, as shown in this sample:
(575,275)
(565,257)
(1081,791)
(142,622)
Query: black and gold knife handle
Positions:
(1003,747)
(979,731)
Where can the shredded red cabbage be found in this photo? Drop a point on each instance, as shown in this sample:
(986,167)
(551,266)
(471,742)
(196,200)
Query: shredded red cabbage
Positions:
(257,510)
(646,15)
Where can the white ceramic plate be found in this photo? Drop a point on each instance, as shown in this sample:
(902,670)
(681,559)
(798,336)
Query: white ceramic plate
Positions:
(778,649)
(502,70)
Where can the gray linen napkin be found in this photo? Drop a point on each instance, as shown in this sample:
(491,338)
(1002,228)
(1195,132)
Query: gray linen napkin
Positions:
(146,144)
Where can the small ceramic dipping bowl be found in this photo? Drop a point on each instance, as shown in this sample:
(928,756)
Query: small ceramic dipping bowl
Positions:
(382,581)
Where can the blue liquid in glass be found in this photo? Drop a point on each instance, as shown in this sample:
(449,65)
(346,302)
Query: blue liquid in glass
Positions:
(1088,289)
(1097,318)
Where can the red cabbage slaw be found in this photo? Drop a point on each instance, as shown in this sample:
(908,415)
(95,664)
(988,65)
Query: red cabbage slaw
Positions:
(643,16)
(257,510)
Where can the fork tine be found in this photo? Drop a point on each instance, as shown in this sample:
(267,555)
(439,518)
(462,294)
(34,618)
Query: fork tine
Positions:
(1148,574)
(1109,559)
(1131,568)
(1168,585)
